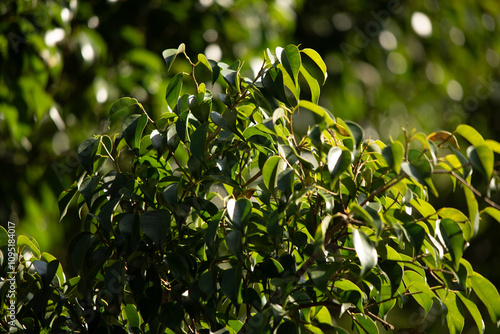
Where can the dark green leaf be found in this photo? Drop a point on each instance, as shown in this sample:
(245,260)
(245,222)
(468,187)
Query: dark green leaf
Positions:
(133,127)
(156,225)
(453,238)
(86,154)
(482,159)
(173,91)
(289,57)
(198,142)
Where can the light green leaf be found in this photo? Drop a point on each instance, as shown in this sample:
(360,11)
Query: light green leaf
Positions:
(23,241)
(365,250)
(473,209)
(317,60)
(471,134)
(365,324)
(453,214)
(320,111)
(394,155)
(493,145)
(416,284)
(488,294)
(454,314)
(473,310)
(493,212)
(339,160)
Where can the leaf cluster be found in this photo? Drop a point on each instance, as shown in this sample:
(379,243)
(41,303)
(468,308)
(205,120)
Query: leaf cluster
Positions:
(248,207)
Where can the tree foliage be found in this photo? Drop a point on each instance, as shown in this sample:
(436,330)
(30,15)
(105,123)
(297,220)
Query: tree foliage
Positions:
(253,209)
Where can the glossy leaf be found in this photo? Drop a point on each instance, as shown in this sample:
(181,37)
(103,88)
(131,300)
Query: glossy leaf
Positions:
(314,56)
(365,250)
(482,159)
(289,57)
(133,127)
(338,161)
(170,54)
(173,91)
(471,134)
(453,238)
(239,212)
(487,293)
(325,115)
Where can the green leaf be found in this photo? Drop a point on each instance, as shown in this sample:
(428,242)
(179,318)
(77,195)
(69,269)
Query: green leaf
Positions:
(471,134)
(206,283)
(473,310)
(156,225)
(417,285)
(394,155)
(482,159)
(313,84)
(492,212)
(487,293)
(339,160)
(453,238)
(320,111)
(356,131)
(86,154)
(287,327)
(463,163)
(473,209)
(289,57)
(454,314)
(270,172)
(234,242)
(365,324)
(106,213)
(198,142)
(132,316)
(493,145)
(316,58)
(65,200)
(121,109)
(170,54)
(23,241)
(173,91)
(239,212)
(133,127)
(231,284)
(365,250)
(453,214)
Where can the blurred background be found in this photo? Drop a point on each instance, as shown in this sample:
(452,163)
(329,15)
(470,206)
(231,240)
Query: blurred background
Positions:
(421,64)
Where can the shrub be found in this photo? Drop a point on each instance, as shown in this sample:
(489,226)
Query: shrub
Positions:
(256,211)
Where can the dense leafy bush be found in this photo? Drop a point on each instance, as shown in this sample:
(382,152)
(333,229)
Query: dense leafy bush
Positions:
(256,210)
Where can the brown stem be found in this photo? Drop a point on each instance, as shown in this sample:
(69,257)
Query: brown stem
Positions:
(465,183)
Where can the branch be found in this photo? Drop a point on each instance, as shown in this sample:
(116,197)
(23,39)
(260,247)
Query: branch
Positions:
(465,183)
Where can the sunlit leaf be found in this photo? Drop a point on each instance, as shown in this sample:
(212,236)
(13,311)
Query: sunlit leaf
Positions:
(471,134)
(487,293)
(365,250)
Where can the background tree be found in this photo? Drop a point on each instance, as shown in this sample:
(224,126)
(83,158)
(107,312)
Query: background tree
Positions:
(65,62)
